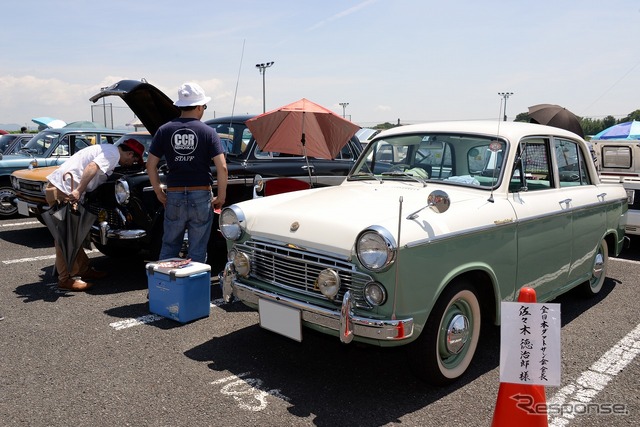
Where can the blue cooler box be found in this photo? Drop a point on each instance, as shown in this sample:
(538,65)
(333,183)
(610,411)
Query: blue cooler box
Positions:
(182,294)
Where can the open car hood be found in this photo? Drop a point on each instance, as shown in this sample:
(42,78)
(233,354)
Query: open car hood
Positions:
(147,102)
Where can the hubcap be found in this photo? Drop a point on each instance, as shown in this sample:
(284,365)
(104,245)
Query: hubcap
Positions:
(598,267)
(457,333)
(6,208)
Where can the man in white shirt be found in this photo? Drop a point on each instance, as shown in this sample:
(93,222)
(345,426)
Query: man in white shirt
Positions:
(88,168)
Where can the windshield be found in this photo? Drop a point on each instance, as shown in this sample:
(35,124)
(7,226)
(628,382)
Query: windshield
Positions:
(5,140)
(468,160)
(40,143)
(234,136)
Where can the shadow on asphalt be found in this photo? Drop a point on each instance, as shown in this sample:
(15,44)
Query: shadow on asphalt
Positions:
(356,383)
(32,237)
(321,366)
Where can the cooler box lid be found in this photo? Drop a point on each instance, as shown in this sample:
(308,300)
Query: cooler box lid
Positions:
(177,267)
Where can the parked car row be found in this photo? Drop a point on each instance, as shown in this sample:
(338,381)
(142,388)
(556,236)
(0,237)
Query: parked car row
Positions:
(50,147)
(130,218)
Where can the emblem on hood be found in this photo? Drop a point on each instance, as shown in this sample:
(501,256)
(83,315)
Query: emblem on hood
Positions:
(294,227)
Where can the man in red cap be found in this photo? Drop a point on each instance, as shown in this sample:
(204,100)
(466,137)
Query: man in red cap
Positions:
(82,172)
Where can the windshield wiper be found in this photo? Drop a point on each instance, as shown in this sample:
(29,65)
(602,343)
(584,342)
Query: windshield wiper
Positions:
(405,174)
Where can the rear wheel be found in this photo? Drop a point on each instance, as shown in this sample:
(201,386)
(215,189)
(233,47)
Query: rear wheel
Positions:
(445,348)
(598,270)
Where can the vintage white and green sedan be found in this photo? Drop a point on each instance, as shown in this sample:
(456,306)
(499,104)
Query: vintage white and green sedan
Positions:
(435,225)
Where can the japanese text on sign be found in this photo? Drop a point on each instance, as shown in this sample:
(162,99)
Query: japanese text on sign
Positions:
(530,343)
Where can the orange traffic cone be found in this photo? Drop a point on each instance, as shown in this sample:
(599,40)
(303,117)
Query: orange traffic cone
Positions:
(521,405)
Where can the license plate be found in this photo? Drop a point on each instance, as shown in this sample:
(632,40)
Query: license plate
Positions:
(280,319)
(22,208)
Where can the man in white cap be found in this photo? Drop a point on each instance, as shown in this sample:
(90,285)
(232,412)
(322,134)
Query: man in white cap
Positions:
(189,146)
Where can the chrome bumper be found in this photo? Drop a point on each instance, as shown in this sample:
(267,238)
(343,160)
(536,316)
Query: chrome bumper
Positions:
(344,321)
(106,233)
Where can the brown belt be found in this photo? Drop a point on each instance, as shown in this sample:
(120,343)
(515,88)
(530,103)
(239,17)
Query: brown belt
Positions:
(194,188)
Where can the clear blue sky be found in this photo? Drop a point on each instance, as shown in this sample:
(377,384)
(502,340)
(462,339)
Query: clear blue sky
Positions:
(413,60)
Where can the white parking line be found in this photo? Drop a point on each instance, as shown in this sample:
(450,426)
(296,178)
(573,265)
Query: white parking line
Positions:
(15,224)
(630,261)
(37,258)
(142,320)
(579,393)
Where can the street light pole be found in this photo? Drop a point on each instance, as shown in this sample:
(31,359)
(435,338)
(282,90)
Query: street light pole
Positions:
(505,96)
(344,107)
(262,68)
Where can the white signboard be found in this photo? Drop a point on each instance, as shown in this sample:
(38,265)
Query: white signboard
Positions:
(530,343)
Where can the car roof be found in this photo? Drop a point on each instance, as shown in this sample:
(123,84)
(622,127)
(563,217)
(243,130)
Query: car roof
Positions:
(510,130)
(240,118)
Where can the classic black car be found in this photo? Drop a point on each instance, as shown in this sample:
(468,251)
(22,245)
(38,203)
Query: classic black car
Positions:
(130,218)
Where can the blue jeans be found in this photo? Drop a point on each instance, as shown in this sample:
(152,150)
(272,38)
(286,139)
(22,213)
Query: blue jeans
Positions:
(187,210)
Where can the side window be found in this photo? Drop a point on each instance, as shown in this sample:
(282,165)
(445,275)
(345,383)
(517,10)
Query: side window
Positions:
(83,141)
(572,169)
(62,149)
(533,168)
(345,153)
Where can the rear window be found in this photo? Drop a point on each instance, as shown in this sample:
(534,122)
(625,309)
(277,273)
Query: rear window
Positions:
(616,157)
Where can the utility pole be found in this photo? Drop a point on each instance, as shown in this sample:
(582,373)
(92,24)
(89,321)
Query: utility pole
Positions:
(505,96)
(344,108)
(262,67)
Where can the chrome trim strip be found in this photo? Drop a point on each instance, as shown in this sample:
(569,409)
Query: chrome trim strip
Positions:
(503,223)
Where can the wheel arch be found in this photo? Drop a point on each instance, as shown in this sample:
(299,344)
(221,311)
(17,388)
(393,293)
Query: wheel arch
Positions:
(484,280)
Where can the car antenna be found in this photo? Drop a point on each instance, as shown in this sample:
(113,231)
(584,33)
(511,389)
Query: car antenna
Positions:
(491,199)
(235,94)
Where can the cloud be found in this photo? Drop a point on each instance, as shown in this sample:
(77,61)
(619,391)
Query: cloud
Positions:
(342,14)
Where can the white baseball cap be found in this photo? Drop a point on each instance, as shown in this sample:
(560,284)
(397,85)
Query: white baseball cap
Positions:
(191,94)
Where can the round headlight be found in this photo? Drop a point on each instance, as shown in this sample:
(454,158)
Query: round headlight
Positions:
(242,263)
(14,182)
(43,187)
(375,294)
(230,222)
(122,192)
(328,282)
(375,248)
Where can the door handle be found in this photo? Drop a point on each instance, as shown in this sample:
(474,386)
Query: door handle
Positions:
(565,201)
(308,167)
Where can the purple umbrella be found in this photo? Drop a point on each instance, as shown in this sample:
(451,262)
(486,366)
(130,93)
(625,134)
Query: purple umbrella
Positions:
(627,130)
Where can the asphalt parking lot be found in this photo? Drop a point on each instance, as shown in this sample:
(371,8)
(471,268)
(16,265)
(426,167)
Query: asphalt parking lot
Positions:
(101,358)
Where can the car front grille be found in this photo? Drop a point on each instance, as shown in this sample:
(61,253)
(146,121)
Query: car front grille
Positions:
(106,214)
(31,188)
(297,270)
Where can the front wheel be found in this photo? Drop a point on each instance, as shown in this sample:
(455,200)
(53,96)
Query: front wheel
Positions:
(7,193)
(444,350)
(598,270)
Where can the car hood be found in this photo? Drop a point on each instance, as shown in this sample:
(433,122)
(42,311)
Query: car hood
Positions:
(37,174)
(147,102)
(15,160)
(329,219)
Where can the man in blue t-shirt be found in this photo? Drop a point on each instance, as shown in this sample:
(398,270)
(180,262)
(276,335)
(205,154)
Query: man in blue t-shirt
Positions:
(188,146)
